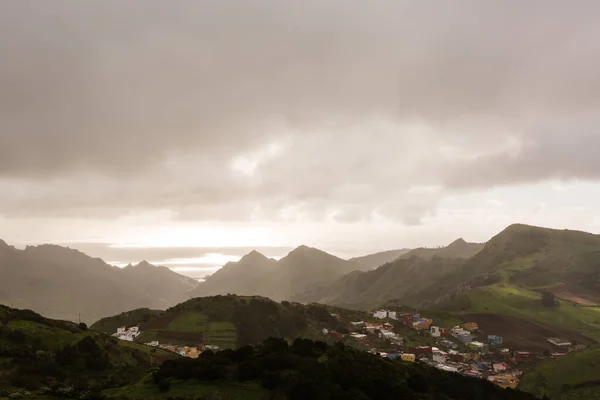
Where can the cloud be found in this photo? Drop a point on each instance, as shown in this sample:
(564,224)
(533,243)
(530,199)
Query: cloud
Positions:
(276,110)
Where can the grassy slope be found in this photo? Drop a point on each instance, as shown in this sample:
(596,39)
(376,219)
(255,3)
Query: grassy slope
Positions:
(575,376)
(229,321)
(30,346)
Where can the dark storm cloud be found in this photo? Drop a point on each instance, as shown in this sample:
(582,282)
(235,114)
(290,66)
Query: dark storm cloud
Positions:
(111,106)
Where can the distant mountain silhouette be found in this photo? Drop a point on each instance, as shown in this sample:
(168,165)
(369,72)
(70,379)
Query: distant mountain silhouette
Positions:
(255,274)
(60,282)
(377,259)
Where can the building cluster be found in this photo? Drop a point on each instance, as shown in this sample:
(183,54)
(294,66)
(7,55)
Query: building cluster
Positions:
(127,334)
(185,350)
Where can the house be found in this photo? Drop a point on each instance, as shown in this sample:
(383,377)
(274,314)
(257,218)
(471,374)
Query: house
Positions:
(380,314)
(358,336)
(447,368)
(128,335)
(500,367)
(448,343)
(407,318)
(440,356)
(464,337)
(559,342)
(386,334)
(393,356)
(494,340)
(471,326)
(504,351)
(211,347)
(325,331)
(435,331)
(392,315)
(421,350)
(153,343)
(422,324)
(408,357)
(358,323)
(416,317)
(522,355)
(479,347)
(504,381)
(472,374)
(456,356)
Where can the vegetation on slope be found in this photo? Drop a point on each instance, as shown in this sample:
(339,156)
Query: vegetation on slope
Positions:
(574,376)
(309,370)
(42,354)
(228,321)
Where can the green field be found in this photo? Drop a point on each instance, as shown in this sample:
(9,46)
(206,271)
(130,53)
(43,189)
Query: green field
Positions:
(575,376)
(518,302)
(193,328)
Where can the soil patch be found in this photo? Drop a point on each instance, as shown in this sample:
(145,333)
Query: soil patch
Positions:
(522,335)
(576,294)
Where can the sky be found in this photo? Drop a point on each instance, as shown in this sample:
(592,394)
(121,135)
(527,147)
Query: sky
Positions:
(346,125)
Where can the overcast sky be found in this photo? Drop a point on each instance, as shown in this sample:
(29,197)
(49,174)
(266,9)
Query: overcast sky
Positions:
(348,125)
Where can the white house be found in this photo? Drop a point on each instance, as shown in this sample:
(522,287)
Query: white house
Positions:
(435,331)
(380,314)
(392,315)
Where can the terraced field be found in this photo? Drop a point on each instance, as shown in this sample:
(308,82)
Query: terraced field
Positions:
(189,328)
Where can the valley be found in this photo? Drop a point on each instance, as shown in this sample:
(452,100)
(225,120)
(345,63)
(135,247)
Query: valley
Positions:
(527,286)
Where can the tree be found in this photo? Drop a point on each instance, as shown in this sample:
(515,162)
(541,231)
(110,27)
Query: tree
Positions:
(549,300)
(83,326)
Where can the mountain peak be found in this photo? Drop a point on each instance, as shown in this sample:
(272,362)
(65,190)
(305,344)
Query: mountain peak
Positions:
(458,242)
(144,264)
(253,256)
(3,243)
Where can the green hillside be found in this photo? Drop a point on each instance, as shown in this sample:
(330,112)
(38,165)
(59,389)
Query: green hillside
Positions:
(225,321)
(306,369)
(574,376)
(39,354)
(515,268)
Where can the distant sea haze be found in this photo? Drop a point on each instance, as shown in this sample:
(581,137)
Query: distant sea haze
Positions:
(195,262)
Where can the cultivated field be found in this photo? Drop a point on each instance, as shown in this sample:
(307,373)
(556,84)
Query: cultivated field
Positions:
(519,334)
(189,328)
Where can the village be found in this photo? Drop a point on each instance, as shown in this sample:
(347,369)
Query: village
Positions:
(132,333)
(410,337)
(460,349)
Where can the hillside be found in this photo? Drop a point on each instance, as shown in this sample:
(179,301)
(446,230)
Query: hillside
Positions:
(225,321)
(403,277)
(377,259)
(302,269)
(37,352)
(62,283)
(571,377)
(515,268)
(307,370)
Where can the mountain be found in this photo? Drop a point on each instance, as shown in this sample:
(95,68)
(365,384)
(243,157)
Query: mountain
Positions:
(51,356)
(377,259)
(248,276)
(65,283)
(457,249)
(517,269)
(408,274)
(303,268)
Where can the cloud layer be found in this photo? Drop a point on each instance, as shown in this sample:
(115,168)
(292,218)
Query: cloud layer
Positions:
(290,110)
